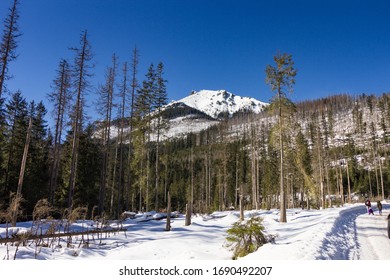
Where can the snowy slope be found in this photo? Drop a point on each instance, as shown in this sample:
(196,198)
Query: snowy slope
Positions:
(199,111)
(215,103)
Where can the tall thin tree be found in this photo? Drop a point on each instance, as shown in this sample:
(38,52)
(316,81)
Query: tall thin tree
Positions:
(123,96)
(81,74)
(281,78)
(160,99)
(60,99)
(106,92)
(22,171)
(8,43)
(133,90)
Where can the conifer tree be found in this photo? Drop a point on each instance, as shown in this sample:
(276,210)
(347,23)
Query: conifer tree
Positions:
(37,174)
(160,99)
(60,99)
(142,113)
(281,78)
(17,123)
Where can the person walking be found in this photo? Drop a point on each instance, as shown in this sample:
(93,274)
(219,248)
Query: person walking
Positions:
(368,205)
(379,205)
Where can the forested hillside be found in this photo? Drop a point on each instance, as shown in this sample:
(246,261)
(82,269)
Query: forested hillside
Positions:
(334,147)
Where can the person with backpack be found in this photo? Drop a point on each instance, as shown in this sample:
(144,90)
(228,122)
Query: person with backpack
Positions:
(368,205)
(379,205)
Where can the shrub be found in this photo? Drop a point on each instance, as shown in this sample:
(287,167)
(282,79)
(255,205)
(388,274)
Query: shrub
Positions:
(246,237)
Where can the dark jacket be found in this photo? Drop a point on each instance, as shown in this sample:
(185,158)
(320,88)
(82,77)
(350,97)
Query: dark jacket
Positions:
(388,225)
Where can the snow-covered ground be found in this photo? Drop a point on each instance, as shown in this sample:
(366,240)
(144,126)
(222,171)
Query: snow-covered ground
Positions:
(346,233)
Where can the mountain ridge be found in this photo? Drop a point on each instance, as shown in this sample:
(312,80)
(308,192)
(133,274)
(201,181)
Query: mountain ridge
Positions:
(219,103)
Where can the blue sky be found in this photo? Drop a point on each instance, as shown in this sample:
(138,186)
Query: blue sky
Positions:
(338,46)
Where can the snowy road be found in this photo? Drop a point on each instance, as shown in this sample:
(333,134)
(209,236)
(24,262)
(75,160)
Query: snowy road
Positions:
(356,235)
(347,233)
(372,237)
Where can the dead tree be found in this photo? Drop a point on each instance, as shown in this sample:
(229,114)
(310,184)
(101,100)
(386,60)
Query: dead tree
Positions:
(22,170)
(8,43)
(83,56)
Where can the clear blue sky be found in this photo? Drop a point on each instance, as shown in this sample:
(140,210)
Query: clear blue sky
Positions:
(338,46)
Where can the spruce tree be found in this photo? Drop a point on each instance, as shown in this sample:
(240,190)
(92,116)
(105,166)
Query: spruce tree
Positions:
(37,174)
(17,123)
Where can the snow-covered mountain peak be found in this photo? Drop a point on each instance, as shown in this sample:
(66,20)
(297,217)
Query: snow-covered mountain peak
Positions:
(217,103)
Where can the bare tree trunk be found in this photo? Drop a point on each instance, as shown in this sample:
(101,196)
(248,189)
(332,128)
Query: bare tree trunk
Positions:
(60,99)
(82,56)
(237,184)
(121,187)
(8,43)
(134,85)
(322,191)
(168,225)
(376,176)
(349,183)
(341,187)
(381,174)
(157,167)
(191,198)
(283,214)
(21,174)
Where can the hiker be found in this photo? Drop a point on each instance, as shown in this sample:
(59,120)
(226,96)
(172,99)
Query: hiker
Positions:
(368,205)
(379,205)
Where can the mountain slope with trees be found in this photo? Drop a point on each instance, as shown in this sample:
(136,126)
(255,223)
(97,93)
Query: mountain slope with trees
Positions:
(316,153)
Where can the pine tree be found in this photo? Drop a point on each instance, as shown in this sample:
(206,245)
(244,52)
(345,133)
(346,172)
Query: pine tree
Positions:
(160,99)
(281,78)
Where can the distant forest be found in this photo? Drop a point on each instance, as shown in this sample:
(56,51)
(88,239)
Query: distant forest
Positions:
(333,148)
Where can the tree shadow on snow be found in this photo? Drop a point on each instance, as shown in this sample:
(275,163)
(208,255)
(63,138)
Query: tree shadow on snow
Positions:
(341,243)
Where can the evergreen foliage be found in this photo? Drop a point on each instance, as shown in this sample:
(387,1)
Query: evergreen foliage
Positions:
(245,237)
(311,154)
